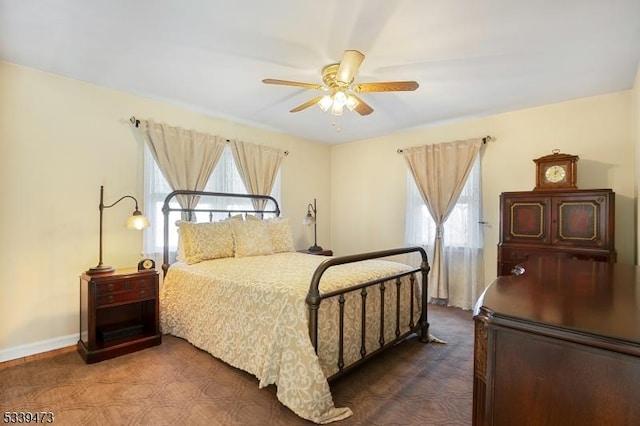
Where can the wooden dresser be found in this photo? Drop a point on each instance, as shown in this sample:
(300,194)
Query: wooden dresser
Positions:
(559,345)
(576,224)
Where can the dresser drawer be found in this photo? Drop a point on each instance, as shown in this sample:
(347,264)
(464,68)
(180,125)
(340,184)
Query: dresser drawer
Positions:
(125,297)
(519,255)
(509,257)
(124,285)
(522,254)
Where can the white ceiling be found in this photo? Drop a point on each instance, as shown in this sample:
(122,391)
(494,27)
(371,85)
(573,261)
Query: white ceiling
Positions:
(471,58)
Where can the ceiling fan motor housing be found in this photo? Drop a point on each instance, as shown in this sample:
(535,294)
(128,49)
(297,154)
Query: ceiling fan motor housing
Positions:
(329,77)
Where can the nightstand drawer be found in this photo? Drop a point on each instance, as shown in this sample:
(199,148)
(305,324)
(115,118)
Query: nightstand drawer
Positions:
(125,297)
(124,285)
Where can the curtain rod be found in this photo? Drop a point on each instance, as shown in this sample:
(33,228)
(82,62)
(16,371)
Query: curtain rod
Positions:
(484,141)
(136,123)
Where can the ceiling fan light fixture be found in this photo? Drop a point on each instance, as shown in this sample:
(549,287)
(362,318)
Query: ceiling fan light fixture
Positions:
(340,98)
(336,102)
(325,103)
(336,108)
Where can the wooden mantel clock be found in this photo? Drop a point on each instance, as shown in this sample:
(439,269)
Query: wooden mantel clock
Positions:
(556,171)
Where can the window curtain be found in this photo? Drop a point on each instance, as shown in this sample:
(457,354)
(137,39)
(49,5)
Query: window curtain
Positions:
(463,246)
(186,158)
(258,166)
(440,172)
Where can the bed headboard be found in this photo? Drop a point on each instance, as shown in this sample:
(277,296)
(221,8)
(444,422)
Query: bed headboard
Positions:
(242,204)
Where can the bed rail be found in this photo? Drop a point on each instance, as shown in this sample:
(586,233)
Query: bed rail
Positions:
(167,209)
(314,299)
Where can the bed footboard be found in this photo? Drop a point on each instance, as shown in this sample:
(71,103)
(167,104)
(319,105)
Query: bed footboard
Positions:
(421,327)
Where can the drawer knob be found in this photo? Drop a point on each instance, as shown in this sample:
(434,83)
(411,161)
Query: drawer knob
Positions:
(142,292)
(110,287)
(518,270)
(110,298)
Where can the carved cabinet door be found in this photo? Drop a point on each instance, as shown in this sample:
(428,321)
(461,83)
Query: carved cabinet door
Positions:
(526,219)
(580,220)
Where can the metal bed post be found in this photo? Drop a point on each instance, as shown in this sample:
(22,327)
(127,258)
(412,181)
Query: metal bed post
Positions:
(424,319)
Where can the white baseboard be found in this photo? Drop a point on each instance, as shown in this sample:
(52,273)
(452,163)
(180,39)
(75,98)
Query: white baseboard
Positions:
(38,347)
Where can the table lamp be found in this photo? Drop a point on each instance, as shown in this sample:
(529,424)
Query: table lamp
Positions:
(310,219)
(136,221)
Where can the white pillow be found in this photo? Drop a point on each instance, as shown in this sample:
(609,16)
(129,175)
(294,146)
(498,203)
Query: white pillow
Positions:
(280,234)
(251,237)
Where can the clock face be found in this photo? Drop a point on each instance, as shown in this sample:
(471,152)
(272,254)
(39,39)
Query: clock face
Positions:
(555,174)
(147,264)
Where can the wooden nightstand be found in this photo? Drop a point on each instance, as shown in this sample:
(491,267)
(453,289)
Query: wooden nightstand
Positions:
(324,252)
(119,314)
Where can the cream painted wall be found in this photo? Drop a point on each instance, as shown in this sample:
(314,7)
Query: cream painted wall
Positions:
(635,113)
(60,139)
(368,177)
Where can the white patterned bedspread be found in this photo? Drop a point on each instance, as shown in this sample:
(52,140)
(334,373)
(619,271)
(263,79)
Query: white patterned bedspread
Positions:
(250,312)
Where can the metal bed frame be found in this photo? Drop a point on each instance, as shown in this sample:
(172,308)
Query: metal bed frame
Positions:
(419,326)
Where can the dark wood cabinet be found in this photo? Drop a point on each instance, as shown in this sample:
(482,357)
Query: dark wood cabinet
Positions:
(572,224)
(119,314)
(559,345)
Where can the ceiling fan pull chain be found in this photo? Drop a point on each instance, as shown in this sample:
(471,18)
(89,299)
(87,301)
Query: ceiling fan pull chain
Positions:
(335,124)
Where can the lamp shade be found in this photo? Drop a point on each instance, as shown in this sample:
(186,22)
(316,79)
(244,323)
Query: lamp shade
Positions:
(325,103)
(137,221)
(308,220)
(336,101)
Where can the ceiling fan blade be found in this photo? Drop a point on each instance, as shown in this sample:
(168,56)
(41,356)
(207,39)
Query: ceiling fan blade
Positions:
(293,83)
(307,104)
(362,108)
(387,86)
(349,65)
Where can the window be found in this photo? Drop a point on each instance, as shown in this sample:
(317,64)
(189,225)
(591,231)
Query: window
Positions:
(462,229)
(225,178)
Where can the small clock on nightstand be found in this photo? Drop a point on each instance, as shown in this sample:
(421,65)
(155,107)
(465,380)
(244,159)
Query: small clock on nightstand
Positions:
(146,264)
(556,171)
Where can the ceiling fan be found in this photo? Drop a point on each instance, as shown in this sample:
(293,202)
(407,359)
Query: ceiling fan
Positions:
(340,91)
